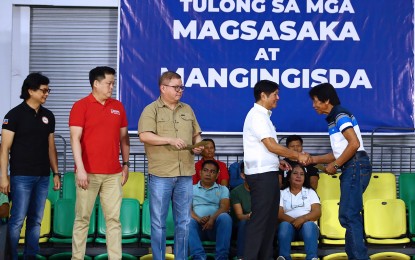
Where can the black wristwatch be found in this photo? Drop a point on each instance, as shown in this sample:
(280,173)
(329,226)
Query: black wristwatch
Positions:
(57,174)
(126,163)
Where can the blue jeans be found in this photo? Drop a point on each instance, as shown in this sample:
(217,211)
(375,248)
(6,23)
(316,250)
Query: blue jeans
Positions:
(28,196)
(179,190)
(308,233)
(354,180)
(223,224)
(241,239)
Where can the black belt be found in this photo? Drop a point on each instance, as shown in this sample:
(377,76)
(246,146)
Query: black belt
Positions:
(360,154)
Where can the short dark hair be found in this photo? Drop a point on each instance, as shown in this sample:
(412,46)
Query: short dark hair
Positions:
(210,140)
(324,92)
(168,75)
(33,81)
(212,162)
(265,86)
(99,73)
(292,138)
(306,183)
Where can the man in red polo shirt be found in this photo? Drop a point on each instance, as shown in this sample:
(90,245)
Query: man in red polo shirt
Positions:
(98,126)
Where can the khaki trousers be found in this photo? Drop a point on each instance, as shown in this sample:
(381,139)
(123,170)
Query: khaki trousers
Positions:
(108,186)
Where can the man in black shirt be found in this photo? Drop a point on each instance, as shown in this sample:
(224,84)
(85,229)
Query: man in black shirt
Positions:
(295,142)
(27,138)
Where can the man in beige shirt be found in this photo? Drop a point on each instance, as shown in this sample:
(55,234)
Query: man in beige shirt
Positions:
(167,127)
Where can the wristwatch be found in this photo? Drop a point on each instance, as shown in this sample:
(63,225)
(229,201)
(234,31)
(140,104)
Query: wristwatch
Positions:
(57,174)
(336,166)
(126,163)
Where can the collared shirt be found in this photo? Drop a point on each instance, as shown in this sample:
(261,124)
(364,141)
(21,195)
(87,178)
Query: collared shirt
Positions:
(223,171)
(100,141)
(339,120)
(300,204)
(258,126)
(207,201)
(29,153)
(165,160)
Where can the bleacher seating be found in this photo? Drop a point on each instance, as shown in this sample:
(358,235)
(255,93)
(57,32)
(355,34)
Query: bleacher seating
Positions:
(331,243)
(135,187)
(406,187)
(63,220)
(130,222)
(68,186)
(381,186)
(385,221)
(331,232)
(328,187)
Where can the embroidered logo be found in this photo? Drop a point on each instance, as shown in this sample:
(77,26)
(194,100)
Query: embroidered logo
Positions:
(45,120)
(115,112)
(5,121)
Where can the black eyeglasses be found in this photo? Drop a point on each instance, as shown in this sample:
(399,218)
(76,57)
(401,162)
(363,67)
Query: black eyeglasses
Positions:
(44,90)
(297,205)
(177,88)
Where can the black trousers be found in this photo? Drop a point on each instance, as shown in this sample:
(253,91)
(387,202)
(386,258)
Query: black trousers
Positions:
(260,230)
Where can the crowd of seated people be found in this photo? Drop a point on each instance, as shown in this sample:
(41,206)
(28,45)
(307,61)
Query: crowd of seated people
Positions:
(299,206)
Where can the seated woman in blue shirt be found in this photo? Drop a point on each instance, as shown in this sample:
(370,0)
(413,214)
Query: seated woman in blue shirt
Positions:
(299,210)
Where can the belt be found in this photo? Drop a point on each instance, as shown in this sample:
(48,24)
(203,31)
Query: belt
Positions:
(360,154)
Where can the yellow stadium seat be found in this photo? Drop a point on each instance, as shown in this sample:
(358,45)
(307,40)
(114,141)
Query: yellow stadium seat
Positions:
(135,187)
(389,256)
(385,221)
(336,256)
(328,187)
(298,256)
(381,186)
(331,231)
(45,225)
(150,257)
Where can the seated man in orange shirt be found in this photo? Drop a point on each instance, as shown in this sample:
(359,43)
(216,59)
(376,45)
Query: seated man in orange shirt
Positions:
(208,153)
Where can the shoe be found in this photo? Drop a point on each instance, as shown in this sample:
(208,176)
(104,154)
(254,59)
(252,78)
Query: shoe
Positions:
(281,258)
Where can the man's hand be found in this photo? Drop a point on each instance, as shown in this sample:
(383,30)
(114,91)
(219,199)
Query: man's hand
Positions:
(124,175)
(178,143)
(203,220)
(82,180)
(304,158)
(4,185)
(330,170)
(209,224)
(285,166)
(198,150)
(56,182)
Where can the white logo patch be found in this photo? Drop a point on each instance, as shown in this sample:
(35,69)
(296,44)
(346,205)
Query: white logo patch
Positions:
(115,112)
(45,120)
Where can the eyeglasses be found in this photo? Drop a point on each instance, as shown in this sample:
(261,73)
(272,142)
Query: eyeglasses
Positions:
(298,205)
(177,88)
(44,90)
(209,171)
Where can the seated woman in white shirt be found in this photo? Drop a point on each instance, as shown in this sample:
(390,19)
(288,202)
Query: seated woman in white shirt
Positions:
(298,213)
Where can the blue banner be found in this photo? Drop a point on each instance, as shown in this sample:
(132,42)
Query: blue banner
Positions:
(221,48)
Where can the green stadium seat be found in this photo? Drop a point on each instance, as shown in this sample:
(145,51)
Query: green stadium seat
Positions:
(124,256)
(53,195)
(406,187)
(63,221)
(65,256)
(68,186)
(130,222)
